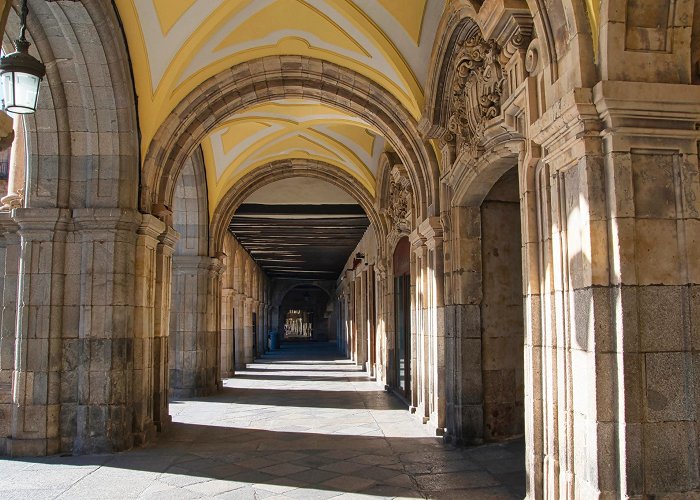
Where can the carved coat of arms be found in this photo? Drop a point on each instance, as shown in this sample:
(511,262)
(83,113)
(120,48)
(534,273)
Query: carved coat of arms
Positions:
(476,91)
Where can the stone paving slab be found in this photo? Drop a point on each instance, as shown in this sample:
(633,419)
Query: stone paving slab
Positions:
(298,424)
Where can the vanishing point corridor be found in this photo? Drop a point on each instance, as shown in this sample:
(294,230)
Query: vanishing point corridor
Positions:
(301,422)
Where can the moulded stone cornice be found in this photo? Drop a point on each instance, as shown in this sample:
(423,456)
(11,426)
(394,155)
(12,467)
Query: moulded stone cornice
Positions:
(417,239)
(151,226)
(189,263)
(569,119)
(431,229)
(41,220)
(169,237)
(7,224)
(499,19)
(106,219)
(649,109)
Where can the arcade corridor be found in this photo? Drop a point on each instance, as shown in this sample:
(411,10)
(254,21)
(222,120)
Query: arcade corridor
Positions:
(301,423)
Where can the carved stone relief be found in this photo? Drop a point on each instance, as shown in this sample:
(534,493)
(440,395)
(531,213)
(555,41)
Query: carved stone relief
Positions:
(400,202)
(477,89)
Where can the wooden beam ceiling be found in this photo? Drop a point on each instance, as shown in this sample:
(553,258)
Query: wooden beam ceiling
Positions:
(300,241)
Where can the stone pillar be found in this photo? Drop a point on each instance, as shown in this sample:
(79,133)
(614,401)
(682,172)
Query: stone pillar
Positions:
(9,274)
(227,340)
(262,336)
(381,327)
(352,321)
(419,340)
(612,259)
(466,414)
(144,320)
(431,229)
(369,321)
(36,410)
(18,160)
(161,328)
(238,330)
(360,318)
(248,308)
(102,258)
(194,329)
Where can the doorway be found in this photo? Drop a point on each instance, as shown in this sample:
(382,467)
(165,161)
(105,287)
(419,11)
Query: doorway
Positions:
(402,316)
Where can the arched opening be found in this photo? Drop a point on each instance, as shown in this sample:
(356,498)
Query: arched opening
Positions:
(402,317)
(502,339)
(305,313)
(300,229)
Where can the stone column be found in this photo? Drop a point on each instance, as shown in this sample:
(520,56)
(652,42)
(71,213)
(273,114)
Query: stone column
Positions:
(465,419)
(419,341)
(431,229)
(227,341)
(36,409)
(238,330)
(102,259)
(144,320)
(381,327)
(352,323)
(18,160)
(248,308)
(194,329)
(161,328)
(9,274)
(262,337)
(369,321)
(360,318)
(614,264)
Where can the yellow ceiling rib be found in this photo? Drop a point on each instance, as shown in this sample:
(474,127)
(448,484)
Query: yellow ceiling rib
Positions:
(186,50)
(289,16)
(178,81)
(409,14)
(169,12)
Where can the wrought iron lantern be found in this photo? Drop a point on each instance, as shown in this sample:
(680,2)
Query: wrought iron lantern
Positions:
(21,73)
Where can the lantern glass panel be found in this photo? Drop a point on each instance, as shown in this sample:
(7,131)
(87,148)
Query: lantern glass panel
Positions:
(23,94)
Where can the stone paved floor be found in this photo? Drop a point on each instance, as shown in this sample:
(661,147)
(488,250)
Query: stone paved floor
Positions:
(298,424)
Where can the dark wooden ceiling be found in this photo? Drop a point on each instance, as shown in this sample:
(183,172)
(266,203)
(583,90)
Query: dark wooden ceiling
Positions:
(300,241)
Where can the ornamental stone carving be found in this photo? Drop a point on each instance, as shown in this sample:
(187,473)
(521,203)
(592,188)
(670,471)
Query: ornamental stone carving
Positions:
(400,200)
(477,88)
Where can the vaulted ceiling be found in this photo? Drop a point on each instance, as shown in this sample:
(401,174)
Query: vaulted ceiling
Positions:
(175,45)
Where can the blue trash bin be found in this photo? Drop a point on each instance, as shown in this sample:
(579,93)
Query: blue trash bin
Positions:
(274,340)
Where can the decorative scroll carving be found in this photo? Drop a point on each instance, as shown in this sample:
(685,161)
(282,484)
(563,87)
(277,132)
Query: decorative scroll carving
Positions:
(476,92)
(400,200)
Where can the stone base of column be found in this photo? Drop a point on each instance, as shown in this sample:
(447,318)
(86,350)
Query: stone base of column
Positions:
(164,423)
(192,392)
(146,436)
(39,447)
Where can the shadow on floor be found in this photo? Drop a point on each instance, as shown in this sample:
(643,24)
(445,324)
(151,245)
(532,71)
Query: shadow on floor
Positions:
(261,441)
(289,461)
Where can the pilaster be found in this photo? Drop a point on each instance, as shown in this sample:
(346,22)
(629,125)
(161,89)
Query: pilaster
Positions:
(161,327)
(194,352)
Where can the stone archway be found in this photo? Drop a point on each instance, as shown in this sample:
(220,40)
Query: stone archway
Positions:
(285,169)
(80,214)
(287,77)
(313,295)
